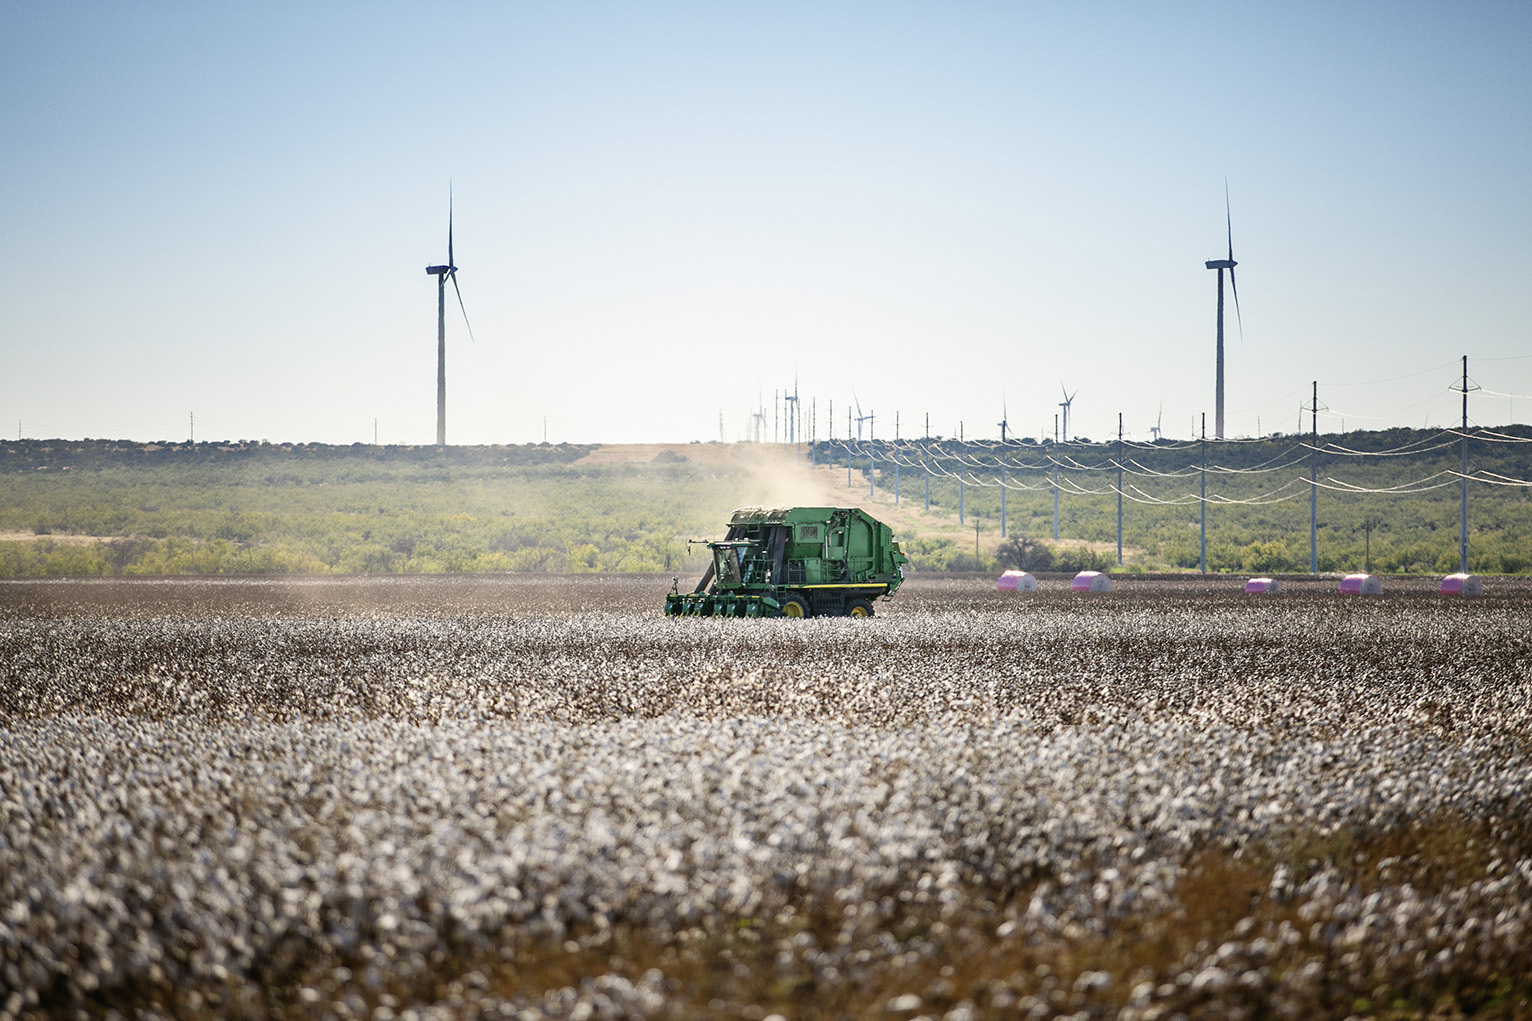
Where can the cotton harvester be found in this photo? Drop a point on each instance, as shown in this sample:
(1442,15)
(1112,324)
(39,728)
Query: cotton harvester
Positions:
(795,562)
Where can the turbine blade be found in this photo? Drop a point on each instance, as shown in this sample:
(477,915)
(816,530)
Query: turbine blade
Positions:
(449,232)
(1228,222)
(453,275)
(1235,288)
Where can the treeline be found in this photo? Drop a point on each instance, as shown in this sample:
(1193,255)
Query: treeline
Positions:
(100,507)
(111,508)
(44,455)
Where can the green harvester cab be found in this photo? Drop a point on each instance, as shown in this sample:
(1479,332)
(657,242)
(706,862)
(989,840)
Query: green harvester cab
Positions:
(795,562)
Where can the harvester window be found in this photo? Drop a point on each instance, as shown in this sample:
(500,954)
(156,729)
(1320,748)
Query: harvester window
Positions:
(727,560)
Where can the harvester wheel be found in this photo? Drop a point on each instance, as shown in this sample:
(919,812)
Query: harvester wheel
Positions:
(795,606)
(859,608)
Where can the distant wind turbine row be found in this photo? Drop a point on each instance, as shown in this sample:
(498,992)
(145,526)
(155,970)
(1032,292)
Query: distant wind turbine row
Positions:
(446,272)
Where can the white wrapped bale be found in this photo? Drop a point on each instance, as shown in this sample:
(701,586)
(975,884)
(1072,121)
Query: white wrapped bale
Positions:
(1361,585)
(1091,581)
(1462,585)
(1016,581)
(1266,585)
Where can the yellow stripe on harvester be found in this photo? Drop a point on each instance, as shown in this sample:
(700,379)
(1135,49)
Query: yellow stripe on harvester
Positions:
(880,584)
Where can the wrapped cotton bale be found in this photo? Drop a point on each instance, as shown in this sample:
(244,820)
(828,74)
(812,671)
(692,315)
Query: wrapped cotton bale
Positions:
(1462,585)
(1263,585)
(1016,581)
(1361,585)
(1091,581)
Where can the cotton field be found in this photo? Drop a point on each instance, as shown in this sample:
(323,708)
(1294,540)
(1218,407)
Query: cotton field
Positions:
(536,798)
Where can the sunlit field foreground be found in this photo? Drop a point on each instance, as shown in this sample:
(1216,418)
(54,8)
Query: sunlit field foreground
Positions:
(536,797)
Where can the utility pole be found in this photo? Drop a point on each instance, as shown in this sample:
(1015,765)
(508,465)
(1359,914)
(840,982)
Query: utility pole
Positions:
(928,425)
(1202,504)
(1463,525)
(1314,487)
(1119,489)
(1054,473)
(1002,497)
(960,499)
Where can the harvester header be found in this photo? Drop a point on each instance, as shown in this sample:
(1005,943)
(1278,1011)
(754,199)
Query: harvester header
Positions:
(795,562)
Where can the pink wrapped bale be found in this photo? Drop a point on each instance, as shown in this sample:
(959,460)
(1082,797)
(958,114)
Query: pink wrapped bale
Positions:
(1462,585)
(1267,585)
(1091,581)
(1016,581)
(1361,585)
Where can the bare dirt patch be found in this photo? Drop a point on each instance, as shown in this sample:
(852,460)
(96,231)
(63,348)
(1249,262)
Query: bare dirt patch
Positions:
(57,539)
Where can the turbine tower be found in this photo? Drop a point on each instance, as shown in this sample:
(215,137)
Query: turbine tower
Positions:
(1004,422)
(792,416)
(442,275)
(1069,398)
(1220,265)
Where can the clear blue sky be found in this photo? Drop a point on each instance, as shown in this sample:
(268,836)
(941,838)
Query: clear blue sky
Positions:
(664,211)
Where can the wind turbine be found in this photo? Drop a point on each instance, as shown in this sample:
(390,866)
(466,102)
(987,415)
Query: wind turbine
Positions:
(860,418)
(1069,398)
(1154,429)
(1004,422)
(442,275)
(792,416)
(1220,265)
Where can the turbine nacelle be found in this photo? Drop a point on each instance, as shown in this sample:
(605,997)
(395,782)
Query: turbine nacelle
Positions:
(1221,264)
